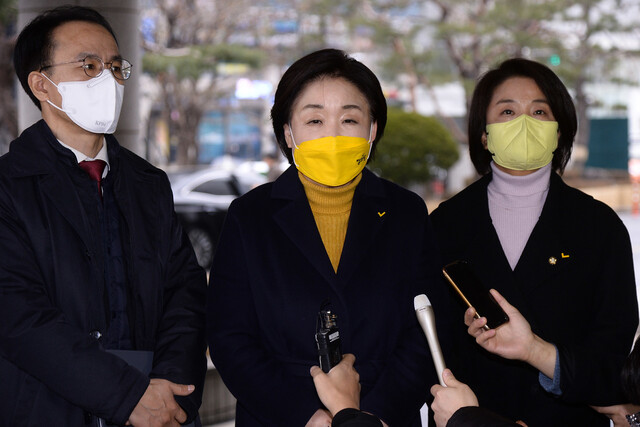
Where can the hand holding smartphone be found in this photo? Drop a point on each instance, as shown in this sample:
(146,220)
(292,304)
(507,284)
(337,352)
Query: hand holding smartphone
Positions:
(474,294)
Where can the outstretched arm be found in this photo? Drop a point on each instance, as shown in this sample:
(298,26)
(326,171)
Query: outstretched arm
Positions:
(180,348)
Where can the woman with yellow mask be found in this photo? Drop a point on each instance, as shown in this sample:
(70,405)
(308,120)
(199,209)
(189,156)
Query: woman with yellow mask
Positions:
(561,259)
(326,235)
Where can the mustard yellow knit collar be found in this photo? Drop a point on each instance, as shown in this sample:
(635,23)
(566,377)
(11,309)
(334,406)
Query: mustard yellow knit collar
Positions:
(327,200)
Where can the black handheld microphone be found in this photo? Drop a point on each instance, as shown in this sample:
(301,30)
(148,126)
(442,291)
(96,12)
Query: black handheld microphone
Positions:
(328,340)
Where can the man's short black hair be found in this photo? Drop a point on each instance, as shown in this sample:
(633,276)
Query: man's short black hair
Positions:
(34,45)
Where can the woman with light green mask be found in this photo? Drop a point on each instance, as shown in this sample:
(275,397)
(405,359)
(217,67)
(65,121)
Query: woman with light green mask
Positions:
(560,261)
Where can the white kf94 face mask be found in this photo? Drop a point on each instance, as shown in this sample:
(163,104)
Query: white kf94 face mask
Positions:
(92,104)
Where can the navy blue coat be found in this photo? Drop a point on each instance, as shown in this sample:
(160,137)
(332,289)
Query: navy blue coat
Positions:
(270,276)
(575,285)
(473,416)
(52,288)
(470,416)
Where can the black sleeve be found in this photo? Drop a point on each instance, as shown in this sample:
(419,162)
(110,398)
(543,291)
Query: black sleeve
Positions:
(473,416)
(180,351)
(354,418)
(590,368)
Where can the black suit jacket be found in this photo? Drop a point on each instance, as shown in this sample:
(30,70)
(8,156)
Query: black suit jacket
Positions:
(473,416)
(52,290)
(271,275)
(574,283)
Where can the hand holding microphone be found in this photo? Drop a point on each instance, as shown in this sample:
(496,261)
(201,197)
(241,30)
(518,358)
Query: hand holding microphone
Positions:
(426,318)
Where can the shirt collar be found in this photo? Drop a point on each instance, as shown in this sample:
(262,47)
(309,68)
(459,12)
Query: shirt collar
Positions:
(102,155)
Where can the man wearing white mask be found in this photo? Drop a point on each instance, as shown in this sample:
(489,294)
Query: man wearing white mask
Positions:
(101,296)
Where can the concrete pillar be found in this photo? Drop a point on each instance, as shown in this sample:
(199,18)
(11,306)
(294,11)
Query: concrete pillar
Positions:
(124,17)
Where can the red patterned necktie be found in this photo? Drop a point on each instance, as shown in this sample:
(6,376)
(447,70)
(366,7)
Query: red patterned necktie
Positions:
(94,169)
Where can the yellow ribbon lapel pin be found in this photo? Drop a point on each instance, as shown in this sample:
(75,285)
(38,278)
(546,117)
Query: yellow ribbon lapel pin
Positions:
(553,260)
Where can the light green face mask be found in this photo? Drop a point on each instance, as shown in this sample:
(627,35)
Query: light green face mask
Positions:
(523,143)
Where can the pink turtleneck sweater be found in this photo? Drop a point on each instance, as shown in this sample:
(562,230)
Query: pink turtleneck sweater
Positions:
(515,204)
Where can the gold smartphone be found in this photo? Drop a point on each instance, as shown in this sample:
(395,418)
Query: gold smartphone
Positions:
(474,294)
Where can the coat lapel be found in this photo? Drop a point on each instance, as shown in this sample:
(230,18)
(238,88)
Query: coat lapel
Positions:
(369,211)
(533,267)
(484,247)
(126,179)
(490,258)
(296,220)
(38,153)
(368,214)
(543,256)
(60,190)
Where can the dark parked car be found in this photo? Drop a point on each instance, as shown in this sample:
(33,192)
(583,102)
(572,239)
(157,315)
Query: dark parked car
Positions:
(201,198)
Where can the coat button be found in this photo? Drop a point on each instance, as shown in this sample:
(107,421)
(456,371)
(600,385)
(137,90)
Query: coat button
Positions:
(96,334)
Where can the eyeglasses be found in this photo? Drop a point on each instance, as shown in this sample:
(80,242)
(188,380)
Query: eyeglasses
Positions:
(94,66)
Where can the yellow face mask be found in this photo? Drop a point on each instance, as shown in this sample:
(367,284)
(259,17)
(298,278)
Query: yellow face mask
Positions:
(332,160)
(523,143)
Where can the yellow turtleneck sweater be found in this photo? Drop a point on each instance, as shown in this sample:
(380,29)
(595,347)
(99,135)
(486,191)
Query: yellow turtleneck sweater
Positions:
(331,207)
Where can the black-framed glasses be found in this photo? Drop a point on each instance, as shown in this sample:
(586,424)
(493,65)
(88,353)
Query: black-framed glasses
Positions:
(93,66)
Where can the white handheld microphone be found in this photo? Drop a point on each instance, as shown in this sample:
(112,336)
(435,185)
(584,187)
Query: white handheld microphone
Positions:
(427,320)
